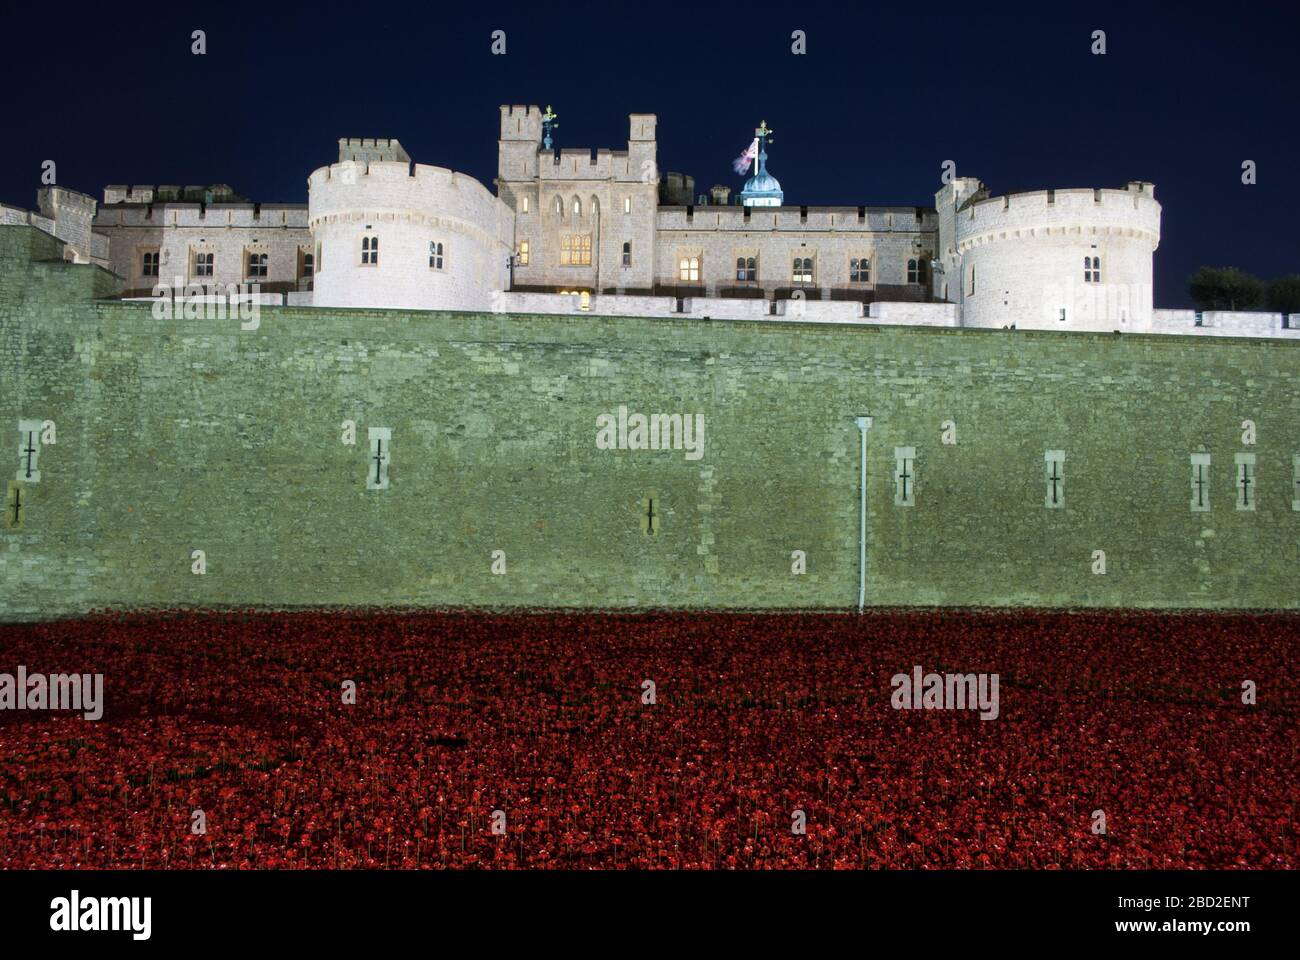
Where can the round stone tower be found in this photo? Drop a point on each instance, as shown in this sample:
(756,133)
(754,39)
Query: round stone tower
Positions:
(387,235)
(1058,259)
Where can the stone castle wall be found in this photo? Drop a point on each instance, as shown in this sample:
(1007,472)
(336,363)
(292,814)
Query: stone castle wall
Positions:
(183,435)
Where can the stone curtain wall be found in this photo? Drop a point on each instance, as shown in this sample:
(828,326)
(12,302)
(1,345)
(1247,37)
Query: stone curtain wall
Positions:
(183,435)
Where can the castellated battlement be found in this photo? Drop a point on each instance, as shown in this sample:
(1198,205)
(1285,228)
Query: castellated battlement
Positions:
(582,163)
(1132,212)
(120,193)
(400,189)
(519,122)
(642,126)
(799,219)
(371,149)
(60,199)
(213,215)
(422,237)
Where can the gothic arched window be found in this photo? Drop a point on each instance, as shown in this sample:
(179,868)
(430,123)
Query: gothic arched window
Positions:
(370,251)
(435,255)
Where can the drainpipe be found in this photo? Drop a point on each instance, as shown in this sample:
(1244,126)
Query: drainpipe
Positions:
(864,424)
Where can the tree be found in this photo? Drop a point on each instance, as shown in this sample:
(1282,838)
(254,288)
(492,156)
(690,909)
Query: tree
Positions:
(1225,288)
(1284,294)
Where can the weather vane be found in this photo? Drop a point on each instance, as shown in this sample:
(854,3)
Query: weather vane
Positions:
(549,124)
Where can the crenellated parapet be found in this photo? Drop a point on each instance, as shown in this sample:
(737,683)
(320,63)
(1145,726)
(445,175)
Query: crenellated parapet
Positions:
(389,234)
(1076,259)
(1131,212)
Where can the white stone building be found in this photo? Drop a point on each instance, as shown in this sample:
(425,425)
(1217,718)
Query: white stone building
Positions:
(575,229)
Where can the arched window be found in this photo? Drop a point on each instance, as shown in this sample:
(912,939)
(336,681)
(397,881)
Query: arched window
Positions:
(577,207)
(859,270)
(369,251)
(627,254)
(559,207)
(435,255)
(746,269)
(916,271)
(1092,269)
(802,270)
(688,270)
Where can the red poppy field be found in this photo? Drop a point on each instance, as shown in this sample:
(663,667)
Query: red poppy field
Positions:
(541,717)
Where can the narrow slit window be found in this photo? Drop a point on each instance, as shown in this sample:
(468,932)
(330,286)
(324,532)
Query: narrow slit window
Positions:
(380,457)
(904,476)
(1200,483)
(1245,481)
(650,514)
(1054,466)
(15,506)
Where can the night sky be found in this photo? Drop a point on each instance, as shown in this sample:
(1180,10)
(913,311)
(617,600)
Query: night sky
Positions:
(884,95)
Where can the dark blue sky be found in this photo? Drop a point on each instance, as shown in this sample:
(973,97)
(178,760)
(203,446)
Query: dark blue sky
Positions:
(885,94)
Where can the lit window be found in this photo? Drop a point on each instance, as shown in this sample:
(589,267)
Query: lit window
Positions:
(559,207)
(523,201)
(627,254)
(369,251)
(149,264)
(435,255)
(577,207)
(746,269)
(627,204)
(801,270)
(575,250)
(859,270)
(688,270)
(257,264)
(522,259)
